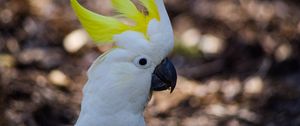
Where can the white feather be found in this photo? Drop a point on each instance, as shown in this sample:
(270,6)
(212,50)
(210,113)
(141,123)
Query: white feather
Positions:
(117,91)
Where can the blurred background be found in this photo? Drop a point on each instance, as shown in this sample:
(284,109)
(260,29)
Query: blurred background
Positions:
(238,63)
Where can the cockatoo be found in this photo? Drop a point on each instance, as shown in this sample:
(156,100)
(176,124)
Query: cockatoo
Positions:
(121,80)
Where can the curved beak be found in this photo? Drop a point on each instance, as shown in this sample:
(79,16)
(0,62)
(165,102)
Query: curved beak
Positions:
(164,76)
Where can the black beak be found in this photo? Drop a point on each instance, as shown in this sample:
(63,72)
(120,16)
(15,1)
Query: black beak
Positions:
(164,76)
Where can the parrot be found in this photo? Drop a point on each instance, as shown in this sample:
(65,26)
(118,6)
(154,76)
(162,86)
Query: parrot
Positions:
(120,82)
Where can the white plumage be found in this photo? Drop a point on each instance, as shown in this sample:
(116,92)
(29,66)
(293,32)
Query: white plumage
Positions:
(118,87)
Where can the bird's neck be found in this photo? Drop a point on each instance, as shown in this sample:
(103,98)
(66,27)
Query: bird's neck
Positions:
(113,105)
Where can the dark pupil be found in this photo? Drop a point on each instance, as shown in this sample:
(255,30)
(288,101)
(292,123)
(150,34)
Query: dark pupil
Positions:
(143,61)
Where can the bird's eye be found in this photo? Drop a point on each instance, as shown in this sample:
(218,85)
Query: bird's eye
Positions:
(142,62)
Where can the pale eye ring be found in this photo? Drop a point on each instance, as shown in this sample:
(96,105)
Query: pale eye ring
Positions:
(142,62)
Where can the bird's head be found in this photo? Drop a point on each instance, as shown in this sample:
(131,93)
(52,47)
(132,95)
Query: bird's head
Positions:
(138,62)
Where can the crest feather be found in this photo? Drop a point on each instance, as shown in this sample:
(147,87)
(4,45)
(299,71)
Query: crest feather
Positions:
(104,28)
(151,8)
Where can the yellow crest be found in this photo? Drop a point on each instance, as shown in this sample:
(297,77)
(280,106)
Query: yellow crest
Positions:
(103,28)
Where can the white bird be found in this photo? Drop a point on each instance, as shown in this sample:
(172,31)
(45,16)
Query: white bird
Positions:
(121,80)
